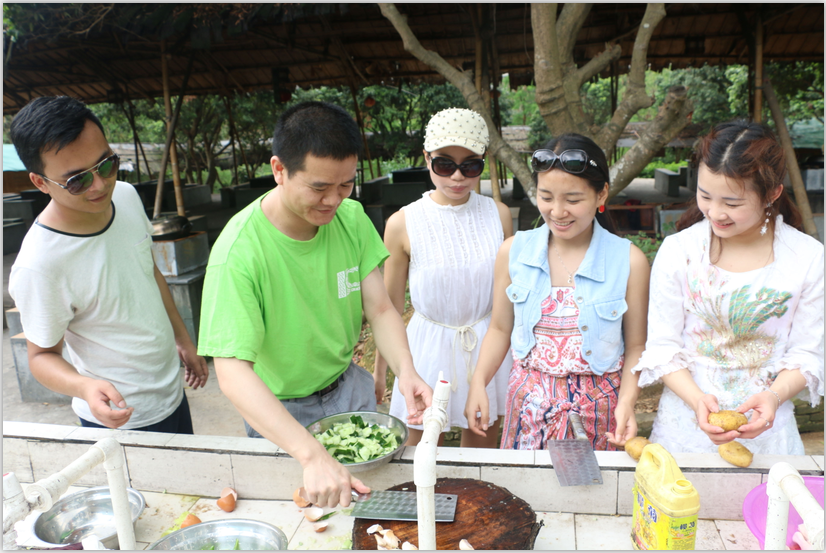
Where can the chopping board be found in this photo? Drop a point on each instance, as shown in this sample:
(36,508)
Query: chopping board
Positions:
(487,516)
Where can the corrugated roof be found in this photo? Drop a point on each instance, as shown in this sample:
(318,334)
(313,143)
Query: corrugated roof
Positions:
(311,48)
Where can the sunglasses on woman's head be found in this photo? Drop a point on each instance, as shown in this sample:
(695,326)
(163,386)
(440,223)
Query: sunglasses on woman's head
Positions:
(572,161)
(445,167)
(77,184)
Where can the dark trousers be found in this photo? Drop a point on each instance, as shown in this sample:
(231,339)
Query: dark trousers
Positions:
(179,422)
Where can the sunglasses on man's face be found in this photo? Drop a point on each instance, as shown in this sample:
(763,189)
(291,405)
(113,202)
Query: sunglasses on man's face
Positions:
(77,184)
(445,167)
(572,161)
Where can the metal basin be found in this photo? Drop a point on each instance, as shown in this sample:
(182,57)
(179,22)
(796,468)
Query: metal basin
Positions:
(251,535)
(83,513)
(393,424)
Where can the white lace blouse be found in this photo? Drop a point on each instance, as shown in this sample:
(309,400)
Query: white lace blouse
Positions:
(734,332)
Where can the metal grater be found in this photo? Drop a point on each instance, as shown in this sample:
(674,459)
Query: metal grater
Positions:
(389,505)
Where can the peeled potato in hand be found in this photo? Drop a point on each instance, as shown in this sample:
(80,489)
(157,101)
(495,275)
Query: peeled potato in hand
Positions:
(736,453)
(634,447)
(727,420)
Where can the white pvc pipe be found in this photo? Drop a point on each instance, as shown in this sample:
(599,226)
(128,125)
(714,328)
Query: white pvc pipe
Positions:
(15,507)
(42,495)
(113,463)
(424,464)
(786,485)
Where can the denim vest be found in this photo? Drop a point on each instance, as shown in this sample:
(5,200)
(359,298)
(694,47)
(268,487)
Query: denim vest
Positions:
(600,284)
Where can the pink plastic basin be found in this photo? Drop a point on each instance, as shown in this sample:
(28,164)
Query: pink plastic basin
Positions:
(756,505)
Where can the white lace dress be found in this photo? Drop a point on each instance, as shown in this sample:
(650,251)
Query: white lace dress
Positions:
(734,332)
(452,254)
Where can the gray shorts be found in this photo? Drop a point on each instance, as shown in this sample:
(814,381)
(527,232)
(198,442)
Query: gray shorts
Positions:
(354,393)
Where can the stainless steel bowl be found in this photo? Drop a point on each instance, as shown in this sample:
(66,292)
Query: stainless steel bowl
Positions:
(83,513)
(252,535)
(390,422)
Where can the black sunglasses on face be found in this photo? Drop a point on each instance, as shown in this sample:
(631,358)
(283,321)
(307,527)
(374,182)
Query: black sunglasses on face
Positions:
(77,184)
(445,167)
(572,161)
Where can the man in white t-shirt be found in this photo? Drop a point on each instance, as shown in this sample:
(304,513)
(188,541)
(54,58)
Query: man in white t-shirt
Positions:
(85,274)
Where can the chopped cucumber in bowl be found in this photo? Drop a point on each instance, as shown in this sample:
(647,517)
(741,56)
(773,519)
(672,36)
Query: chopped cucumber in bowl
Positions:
(357,442)
(360,440)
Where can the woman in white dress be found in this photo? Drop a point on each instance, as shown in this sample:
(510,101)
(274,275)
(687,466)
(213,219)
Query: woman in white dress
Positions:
(445,244)
(736,314)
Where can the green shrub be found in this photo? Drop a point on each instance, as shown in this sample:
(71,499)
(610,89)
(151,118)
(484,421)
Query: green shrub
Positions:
(648,172)
(648,244)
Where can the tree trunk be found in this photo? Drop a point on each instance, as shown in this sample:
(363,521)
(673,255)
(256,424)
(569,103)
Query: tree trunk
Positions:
(558,89)
(800,196)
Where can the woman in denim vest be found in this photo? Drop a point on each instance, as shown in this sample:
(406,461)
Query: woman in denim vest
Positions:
(571,299)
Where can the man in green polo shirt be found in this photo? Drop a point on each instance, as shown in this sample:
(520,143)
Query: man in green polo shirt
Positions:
(286,285)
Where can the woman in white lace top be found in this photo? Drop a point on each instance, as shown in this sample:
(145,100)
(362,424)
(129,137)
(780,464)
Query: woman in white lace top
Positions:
(736,311)
(446,244)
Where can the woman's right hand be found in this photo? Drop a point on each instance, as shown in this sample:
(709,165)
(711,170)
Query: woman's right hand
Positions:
(708,404)
(477,409)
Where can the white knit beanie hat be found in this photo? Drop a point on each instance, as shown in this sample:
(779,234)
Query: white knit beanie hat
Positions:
(457,127)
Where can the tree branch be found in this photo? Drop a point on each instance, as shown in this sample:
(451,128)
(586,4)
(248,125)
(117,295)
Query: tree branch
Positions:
(654,13)
(635,97)
(674,114)
(597,64)
(568,25)
(498,147)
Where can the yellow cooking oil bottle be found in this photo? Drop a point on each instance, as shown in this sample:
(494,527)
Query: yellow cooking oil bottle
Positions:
(665,503)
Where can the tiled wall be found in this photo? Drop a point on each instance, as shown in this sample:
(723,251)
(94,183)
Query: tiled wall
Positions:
(257,469)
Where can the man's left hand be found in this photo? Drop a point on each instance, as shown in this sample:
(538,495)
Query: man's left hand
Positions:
(196,371)
(417,396)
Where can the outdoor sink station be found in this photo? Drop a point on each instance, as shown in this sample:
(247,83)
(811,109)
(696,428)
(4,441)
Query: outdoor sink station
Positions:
(178,473)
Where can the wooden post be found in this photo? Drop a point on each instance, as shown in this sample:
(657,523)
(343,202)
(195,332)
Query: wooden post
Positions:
(143,152)
(232,141)
(170,135)
(173,147)
(360,122)
(800,196)
(496,78)
(130,116)
(758,70)
(234,130)
(476,21)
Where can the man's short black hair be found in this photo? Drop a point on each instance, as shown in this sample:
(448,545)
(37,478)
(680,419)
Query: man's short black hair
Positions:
(46,123)
(317,128)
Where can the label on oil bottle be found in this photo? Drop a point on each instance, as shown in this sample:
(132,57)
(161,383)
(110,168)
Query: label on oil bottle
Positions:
(654,529)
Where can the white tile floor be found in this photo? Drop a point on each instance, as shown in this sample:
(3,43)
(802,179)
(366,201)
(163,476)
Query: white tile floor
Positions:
(560,531)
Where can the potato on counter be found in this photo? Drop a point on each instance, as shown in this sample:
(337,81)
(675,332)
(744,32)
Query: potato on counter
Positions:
(736,453)
(727,420)
(634,447)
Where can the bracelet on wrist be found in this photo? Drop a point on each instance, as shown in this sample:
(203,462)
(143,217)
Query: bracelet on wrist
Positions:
(775,395)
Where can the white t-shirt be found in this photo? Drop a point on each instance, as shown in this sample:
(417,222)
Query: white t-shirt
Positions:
(99,293)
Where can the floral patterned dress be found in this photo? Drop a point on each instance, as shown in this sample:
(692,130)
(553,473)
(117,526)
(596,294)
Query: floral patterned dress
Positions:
(554,379)
(734,332)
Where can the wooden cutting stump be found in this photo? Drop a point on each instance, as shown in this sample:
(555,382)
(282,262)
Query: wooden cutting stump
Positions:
(487,516)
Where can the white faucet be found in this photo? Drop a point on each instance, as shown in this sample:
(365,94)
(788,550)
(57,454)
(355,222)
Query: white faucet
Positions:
(784,485)
(424,463)
(41,495)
